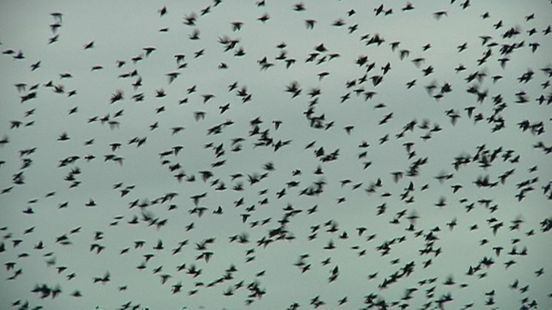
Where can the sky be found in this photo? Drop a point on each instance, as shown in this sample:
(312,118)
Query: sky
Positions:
(343,186)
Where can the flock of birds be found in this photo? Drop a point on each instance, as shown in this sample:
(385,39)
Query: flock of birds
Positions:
(279,155)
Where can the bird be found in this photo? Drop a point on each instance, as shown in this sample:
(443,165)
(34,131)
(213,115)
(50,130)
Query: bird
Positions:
(89,45)
(237,153)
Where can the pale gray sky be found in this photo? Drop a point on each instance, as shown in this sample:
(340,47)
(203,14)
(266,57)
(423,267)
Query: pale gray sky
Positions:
(124,30)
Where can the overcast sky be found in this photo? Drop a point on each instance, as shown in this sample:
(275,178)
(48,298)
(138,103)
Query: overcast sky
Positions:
(381,91)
